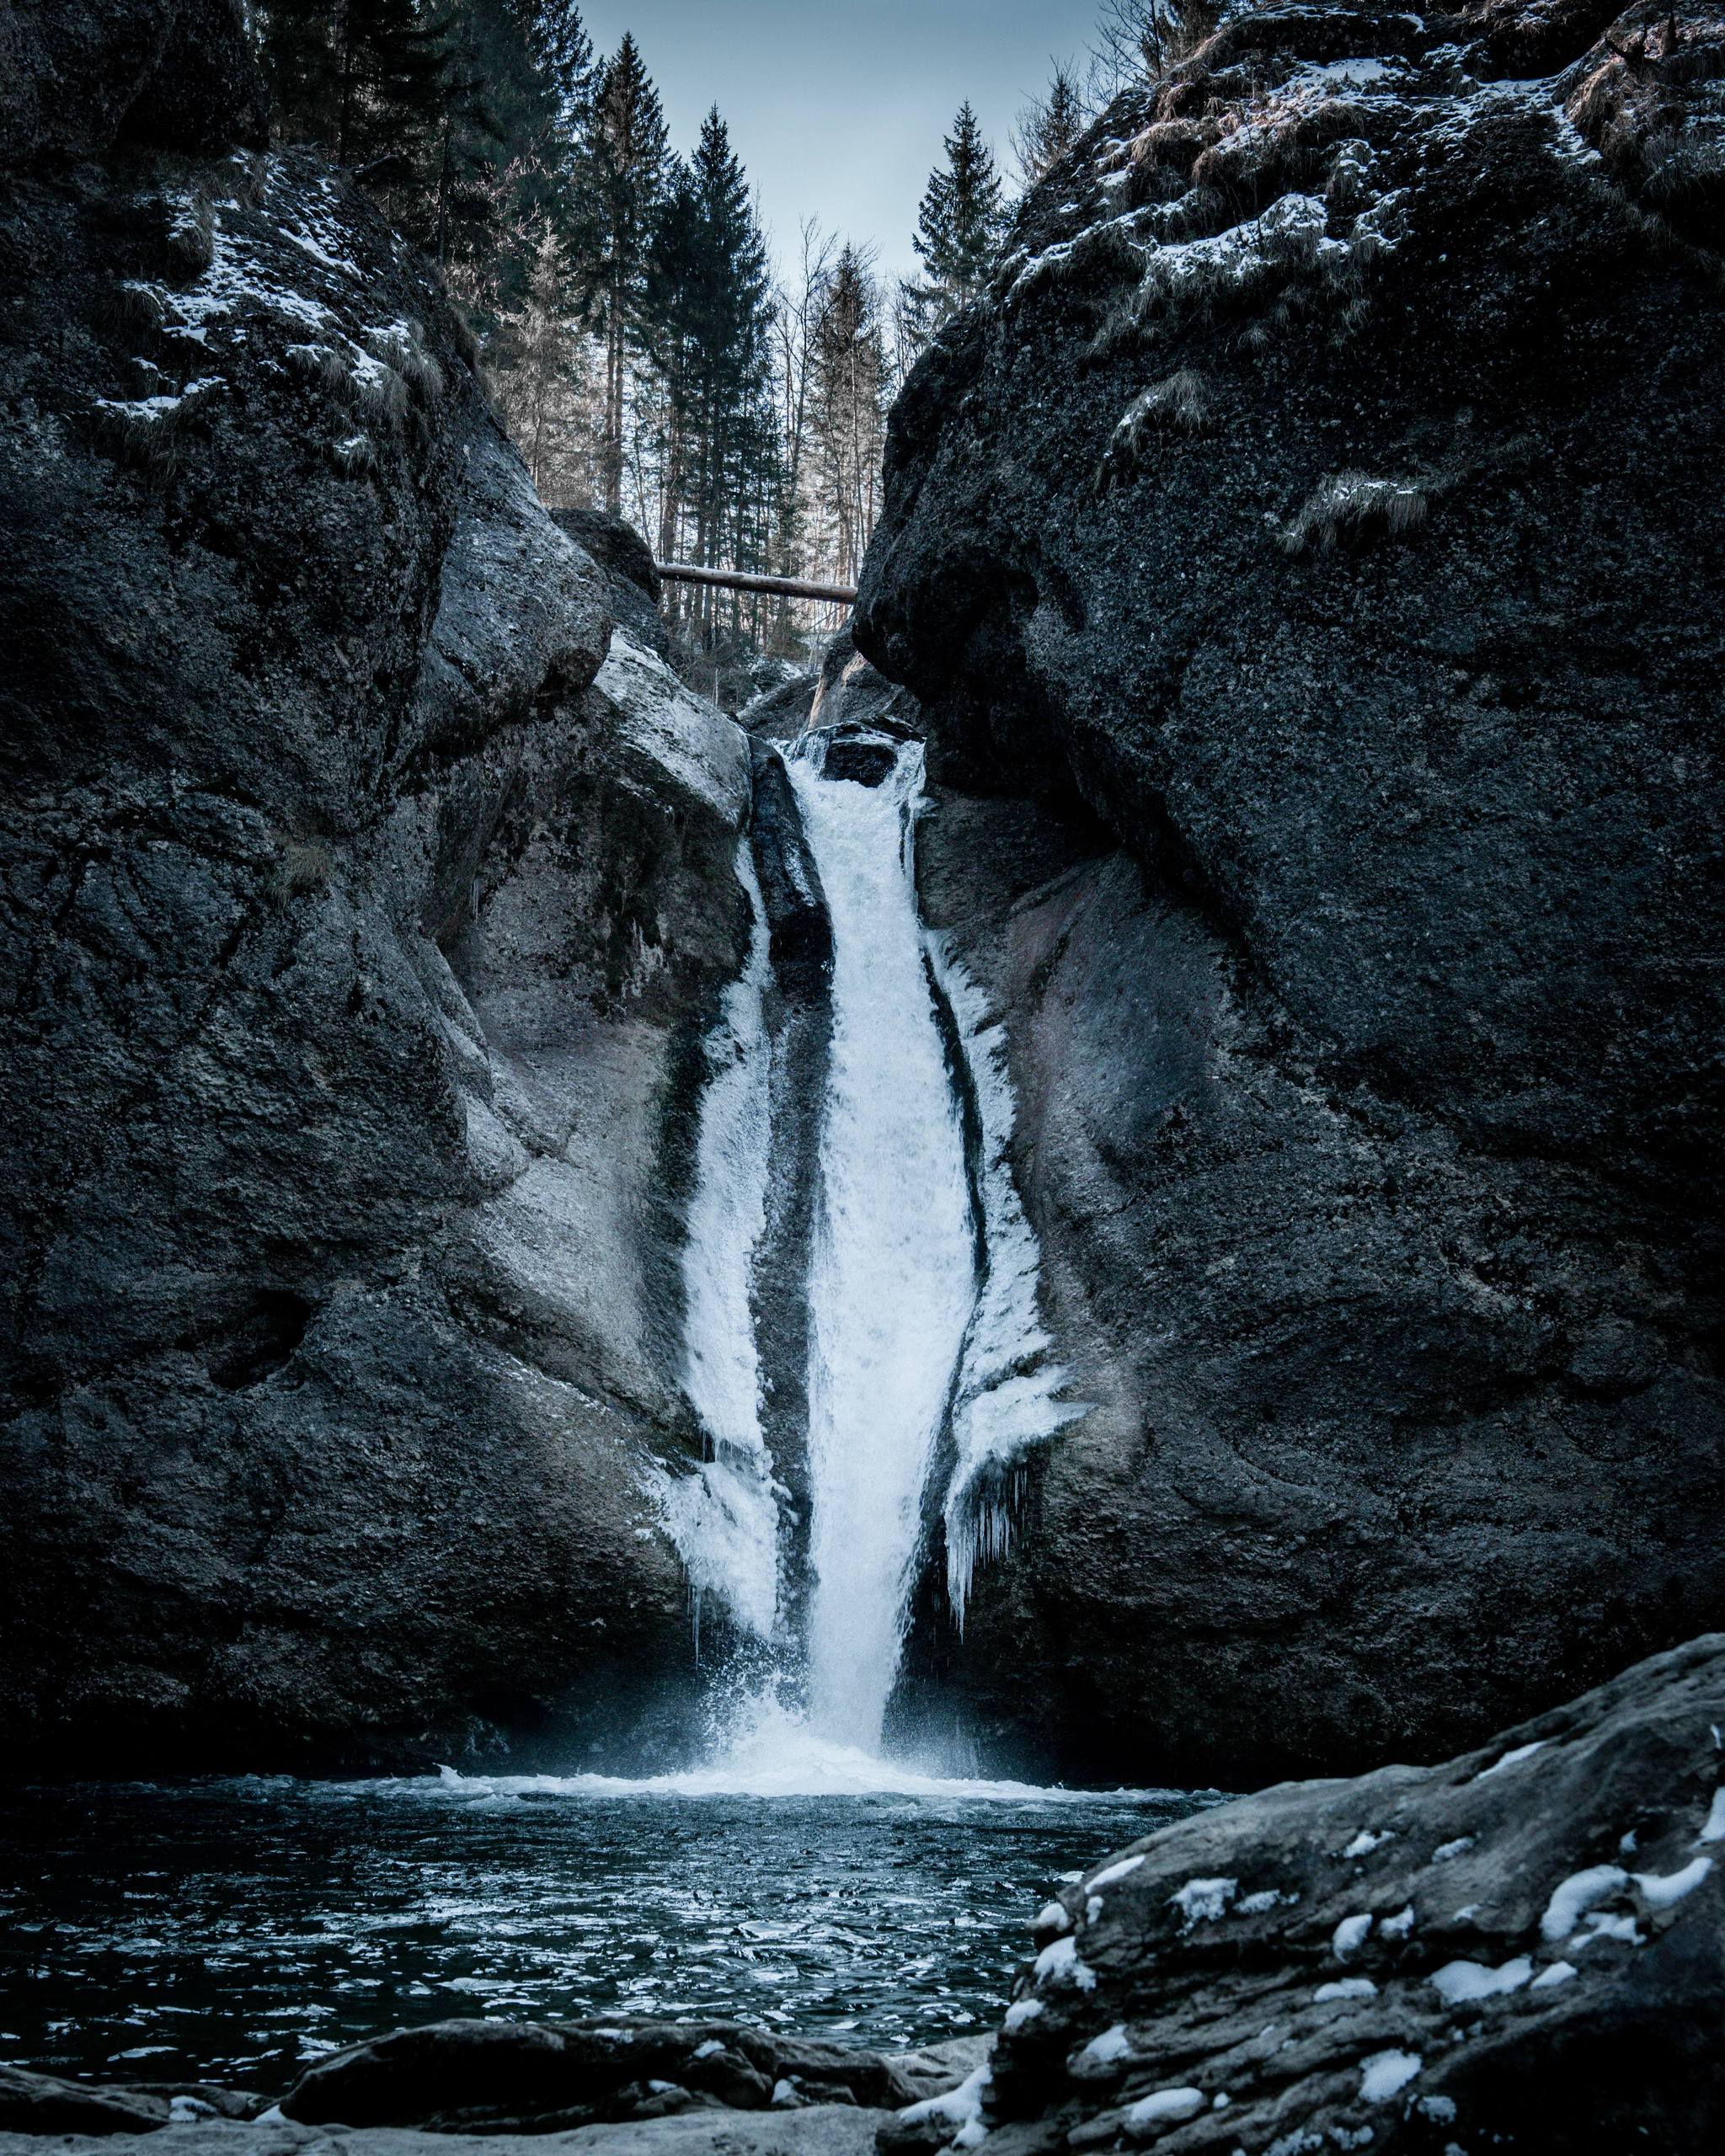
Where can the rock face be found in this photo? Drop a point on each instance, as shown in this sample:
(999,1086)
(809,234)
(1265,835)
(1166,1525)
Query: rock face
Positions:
(1310,557)
(1523,1948)
(364,899)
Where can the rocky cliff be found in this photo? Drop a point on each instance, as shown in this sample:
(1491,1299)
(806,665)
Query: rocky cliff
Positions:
(364,897)
(1310,554)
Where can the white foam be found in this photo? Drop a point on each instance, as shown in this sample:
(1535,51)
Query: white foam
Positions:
(776,1755)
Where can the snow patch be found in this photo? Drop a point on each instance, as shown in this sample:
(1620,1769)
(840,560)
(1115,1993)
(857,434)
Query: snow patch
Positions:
(1713,1829)
(1385,2074)
(1511,1759)
(962,2106)
(1663,1893)
(1572,1898)
(1163,2107)
(1365,1842)
(1559,1973)
(1107,2049)
(1459,1984)
(1021,2011)
(1122,1869)
(1345,1988)
(1202,1901)
(1059,1964)
(1349,1936)
(1445,1851)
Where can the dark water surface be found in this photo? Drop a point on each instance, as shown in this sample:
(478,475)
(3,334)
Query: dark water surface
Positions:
(236,1929)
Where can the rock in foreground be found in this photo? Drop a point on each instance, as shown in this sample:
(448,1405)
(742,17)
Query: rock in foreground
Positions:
(1522,1949)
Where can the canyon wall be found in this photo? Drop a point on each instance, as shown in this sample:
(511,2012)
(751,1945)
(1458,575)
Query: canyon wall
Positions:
(1309,556)
(364,899)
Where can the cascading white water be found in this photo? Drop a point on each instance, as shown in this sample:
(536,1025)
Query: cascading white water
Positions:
(892,1281)
(724,1518)
(902,1335)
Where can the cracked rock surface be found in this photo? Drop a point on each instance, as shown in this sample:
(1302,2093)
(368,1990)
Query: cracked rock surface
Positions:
(1310,557)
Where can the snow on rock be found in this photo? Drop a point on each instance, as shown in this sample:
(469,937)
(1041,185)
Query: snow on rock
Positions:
(1349,1936)
(1459,1984)
(961,2108)
(1163,2107)
(1202,1901)
(1365,1842)
(1123,1868)
(1107,2049)
(1060,1964)
(1513,1758)
(1387,2074)
(1664,1893)
(1575,1895)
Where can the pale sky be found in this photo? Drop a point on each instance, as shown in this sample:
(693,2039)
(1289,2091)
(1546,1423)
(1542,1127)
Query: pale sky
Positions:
(837,110)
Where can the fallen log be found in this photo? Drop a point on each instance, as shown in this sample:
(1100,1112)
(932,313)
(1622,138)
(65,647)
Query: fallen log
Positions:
(781,587)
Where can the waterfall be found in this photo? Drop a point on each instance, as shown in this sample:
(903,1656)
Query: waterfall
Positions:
(892,1278)
(924,1343)
(724,1518)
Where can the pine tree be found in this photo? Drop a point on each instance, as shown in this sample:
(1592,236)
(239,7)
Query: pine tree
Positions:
(959,226)
(707,332)
(365,77)
(563,53)
(1048,126)
(850,365)
(624,164)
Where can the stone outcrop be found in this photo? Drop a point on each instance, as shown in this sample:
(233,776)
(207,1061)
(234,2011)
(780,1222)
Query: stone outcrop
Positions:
(1308,557)
(1523,1948)
(364,899)
(616,2084)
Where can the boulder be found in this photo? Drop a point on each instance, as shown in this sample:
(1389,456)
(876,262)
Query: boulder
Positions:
(1523,1949)
(514,2077)
(632,590)
(1307,558)
(42,2103)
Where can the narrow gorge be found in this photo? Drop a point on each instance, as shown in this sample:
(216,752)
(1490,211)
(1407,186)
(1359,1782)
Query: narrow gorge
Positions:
(965,1394)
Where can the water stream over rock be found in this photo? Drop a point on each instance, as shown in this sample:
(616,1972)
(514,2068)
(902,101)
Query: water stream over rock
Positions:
(925,1375)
